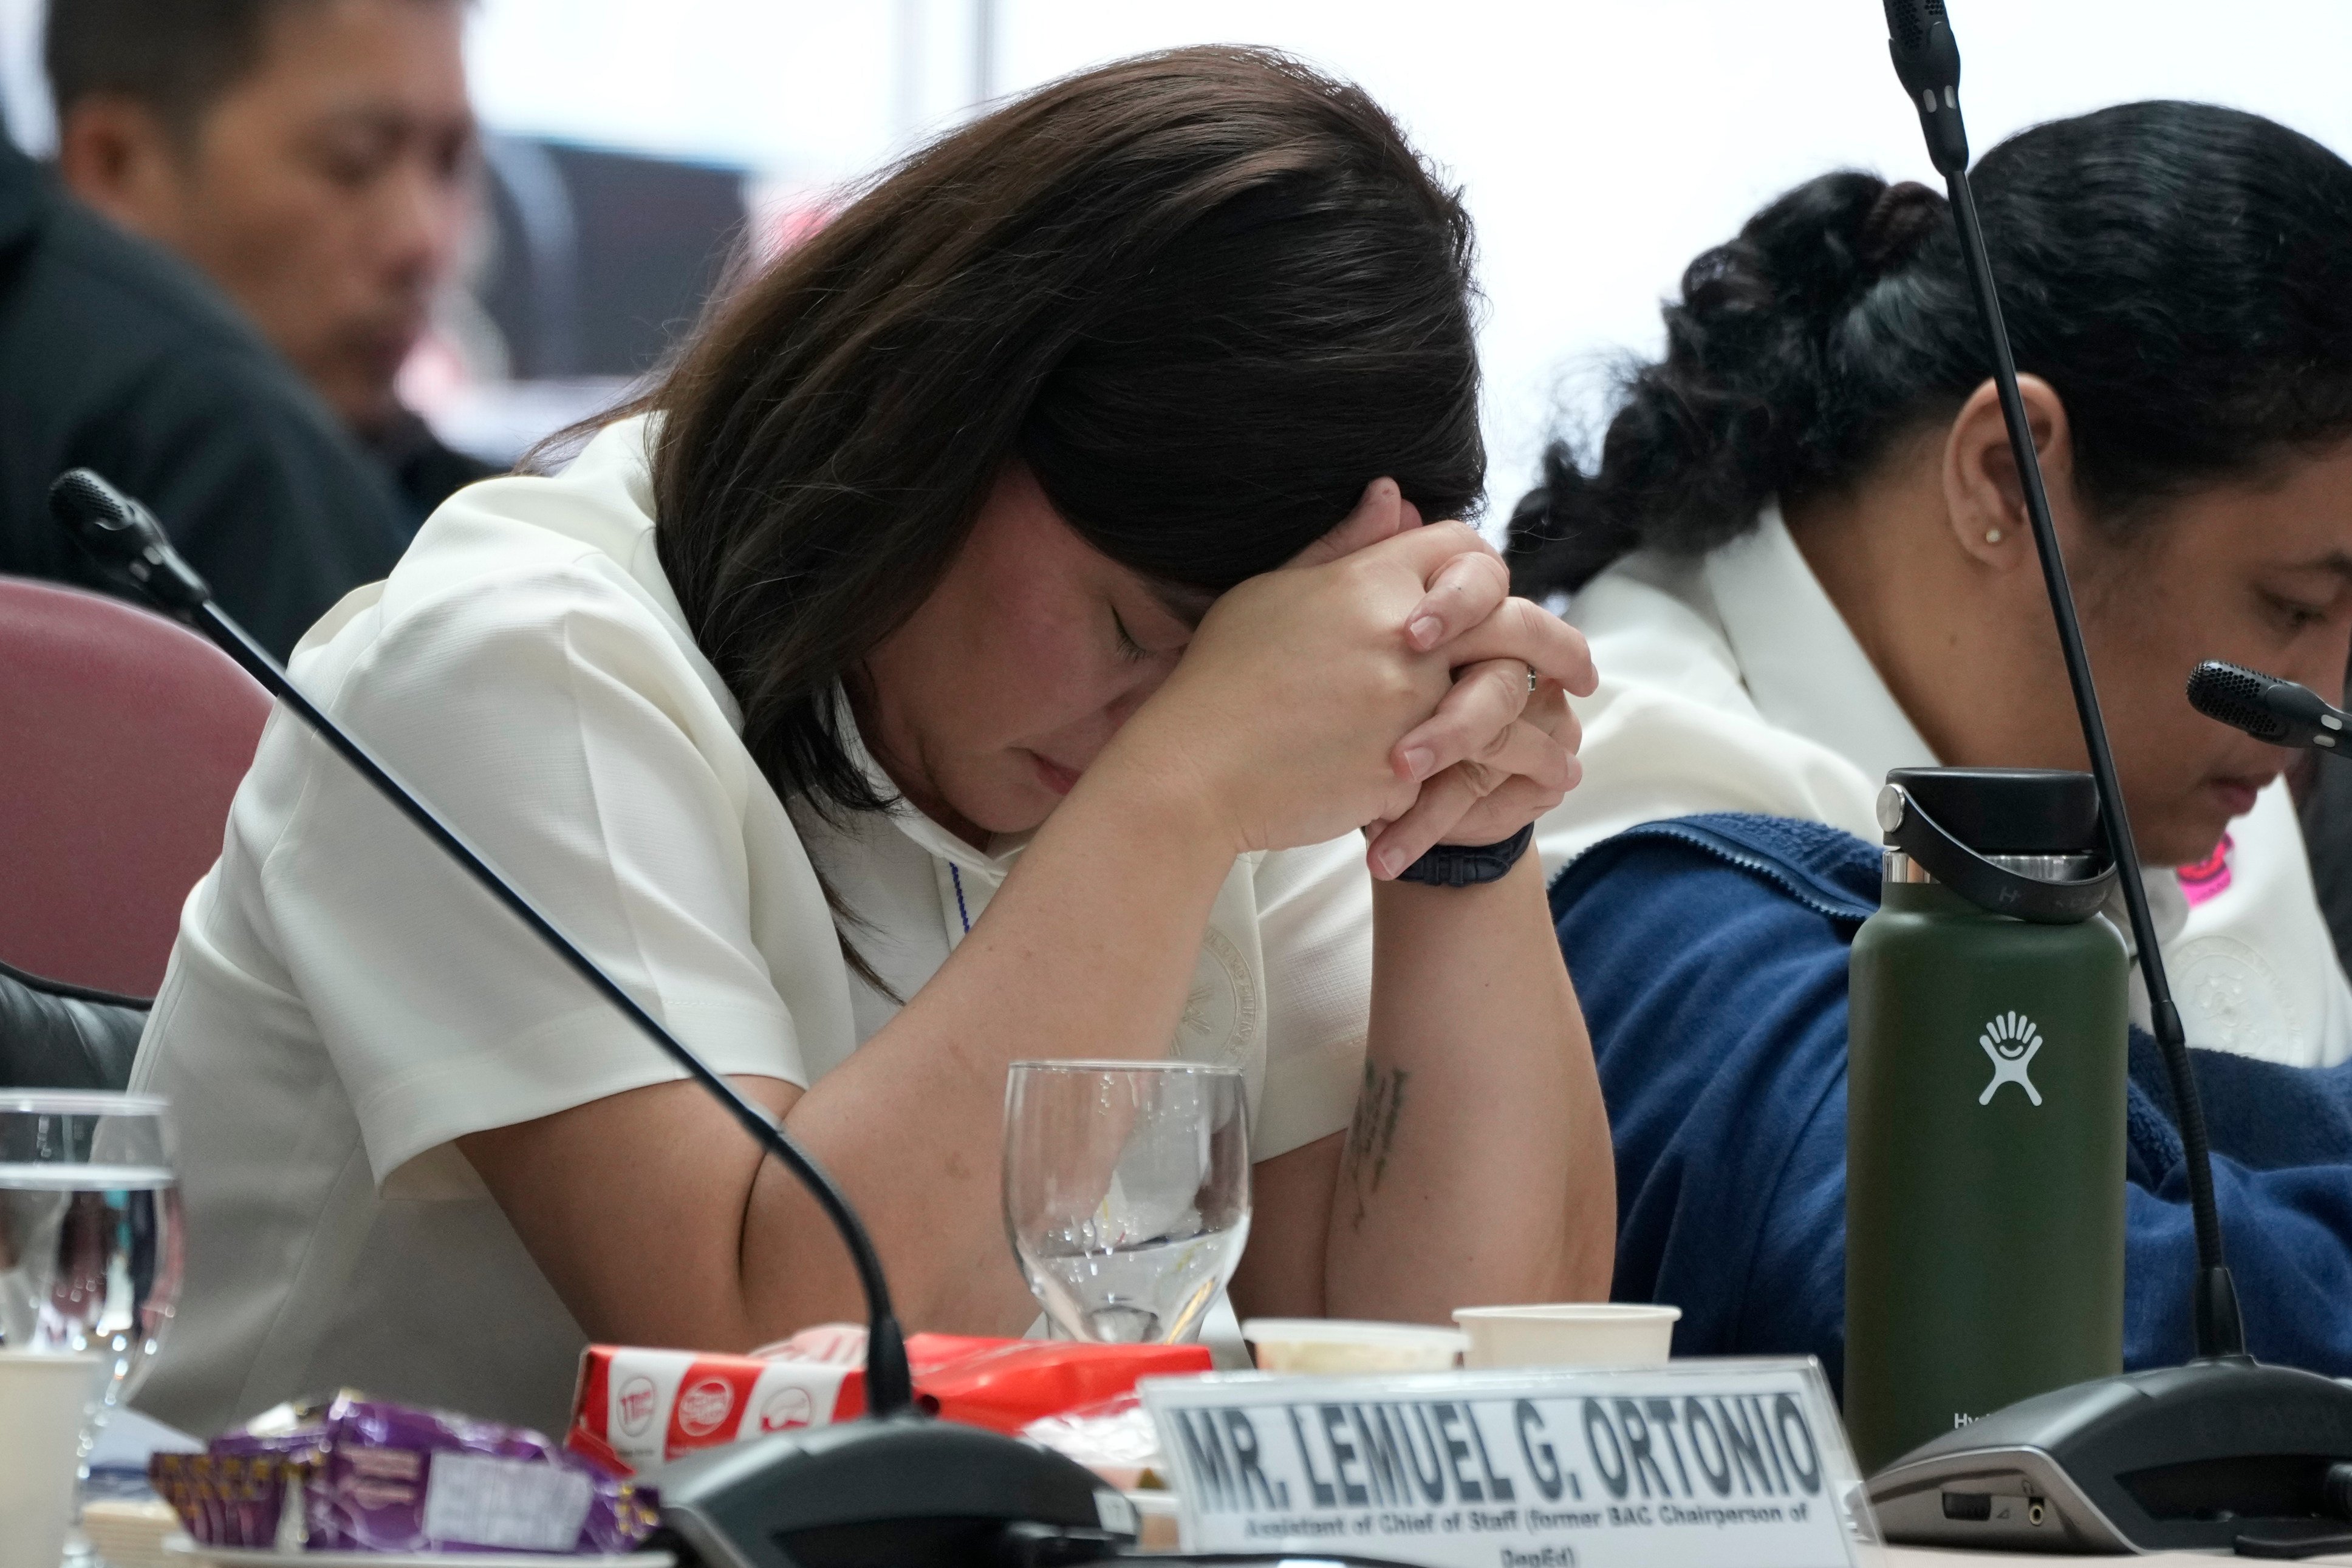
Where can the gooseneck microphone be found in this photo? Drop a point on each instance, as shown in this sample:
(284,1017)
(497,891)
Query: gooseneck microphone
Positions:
(2210,1426)
(896,1488)
(1928,61)
(2267,707)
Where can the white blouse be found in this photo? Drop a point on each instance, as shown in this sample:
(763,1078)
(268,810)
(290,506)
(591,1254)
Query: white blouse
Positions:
(343,1004)
(1730,683)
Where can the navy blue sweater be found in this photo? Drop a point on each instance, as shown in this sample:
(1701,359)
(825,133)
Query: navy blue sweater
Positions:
(1710,955)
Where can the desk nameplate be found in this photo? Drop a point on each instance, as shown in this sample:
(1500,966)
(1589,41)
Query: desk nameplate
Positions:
(1699,1464)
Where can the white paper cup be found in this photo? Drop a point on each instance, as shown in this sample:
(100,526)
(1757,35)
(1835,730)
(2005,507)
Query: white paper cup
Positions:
(42,1401)
(1337,1344)
(1569,1333)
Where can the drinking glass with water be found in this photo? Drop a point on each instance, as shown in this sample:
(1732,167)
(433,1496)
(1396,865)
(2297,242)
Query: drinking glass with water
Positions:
(89,1240)
(1127,1193)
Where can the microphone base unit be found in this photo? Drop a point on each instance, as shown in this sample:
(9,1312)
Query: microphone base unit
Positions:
(2220,1454)
(897,1493)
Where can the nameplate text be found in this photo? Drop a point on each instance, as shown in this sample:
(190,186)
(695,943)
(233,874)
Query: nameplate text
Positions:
(1701,1464)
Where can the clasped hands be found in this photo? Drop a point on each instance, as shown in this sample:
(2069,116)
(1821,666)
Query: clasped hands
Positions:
(1499,749)
(1380,680)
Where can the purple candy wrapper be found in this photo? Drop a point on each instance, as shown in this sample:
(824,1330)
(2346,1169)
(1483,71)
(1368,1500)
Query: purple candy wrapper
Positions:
(401,1480)
(369,1476)
(245,1491)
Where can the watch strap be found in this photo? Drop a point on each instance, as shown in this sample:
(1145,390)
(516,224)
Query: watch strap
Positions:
(1468,865)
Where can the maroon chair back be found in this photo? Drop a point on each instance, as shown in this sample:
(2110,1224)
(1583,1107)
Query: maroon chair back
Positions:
(122,737)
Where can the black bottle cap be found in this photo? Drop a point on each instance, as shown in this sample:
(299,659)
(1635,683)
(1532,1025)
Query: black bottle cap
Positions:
(2009,810)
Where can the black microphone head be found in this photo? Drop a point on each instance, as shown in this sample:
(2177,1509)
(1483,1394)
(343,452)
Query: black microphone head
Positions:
(120,534)
(109,524)
(1908,22)
(2264,706)
(2233,694)
(1919,36)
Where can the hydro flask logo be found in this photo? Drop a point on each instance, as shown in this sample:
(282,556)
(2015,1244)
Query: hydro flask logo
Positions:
(2011,1041)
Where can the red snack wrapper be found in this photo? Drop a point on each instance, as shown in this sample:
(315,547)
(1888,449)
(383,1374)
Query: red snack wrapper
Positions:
(1005,1383)
(643,1408)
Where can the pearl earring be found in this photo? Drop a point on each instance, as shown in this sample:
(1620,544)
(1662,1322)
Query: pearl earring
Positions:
(1992,535)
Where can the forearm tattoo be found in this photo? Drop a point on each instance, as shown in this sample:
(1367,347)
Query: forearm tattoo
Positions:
(1372,1134)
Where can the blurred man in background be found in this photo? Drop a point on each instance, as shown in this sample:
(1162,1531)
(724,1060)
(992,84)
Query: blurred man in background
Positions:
(114,356)
(314,158)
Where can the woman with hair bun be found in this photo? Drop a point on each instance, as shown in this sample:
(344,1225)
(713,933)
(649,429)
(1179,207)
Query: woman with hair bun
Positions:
(1802,561)
(1802,557)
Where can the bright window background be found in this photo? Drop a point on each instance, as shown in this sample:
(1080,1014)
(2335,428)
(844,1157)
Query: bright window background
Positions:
(1600,144)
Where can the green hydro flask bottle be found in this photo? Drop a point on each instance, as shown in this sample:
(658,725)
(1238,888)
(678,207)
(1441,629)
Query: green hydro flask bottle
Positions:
(1986,1060)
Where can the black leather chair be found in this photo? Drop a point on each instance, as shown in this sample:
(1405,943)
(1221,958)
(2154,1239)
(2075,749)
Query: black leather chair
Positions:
(54,1036)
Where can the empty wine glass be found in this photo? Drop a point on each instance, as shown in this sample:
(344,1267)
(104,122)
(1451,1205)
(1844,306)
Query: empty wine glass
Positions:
(1127,1193)
(90,1241)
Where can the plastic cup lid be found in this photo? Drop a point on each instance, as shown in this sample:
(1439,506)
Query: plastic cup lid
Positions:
(1574,1311)
(1344,1331)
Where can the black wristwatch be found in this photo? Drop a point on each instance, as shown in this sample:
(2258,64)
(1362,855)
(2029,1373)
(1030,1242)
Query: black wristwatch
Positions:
(1467,865)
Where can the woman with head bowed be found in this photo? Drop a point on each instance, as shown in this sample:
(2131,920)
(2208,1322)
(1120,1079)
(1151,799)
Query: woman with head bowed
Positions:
(1009,631)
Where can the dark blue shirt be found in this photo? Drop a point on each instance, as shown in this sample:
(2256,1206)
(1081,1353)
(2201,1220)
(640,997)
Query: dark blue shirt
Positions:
(1710,955)
(117,357)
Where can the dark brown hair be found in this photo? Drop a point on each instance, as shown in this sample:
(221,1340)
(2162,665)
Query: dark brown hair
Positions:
(1206,296)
